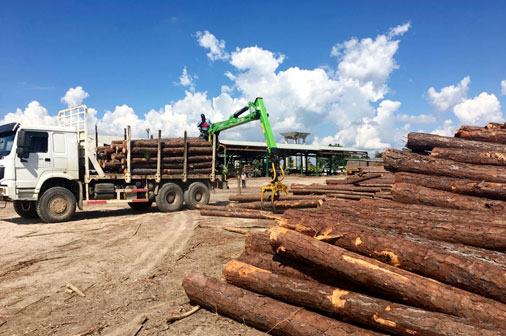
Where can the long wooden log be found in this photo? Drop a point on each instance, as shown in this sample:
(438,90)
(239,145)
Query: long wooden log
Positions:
(353,179)
(151,171)
(494,135)
(495,126)
(171,150)
(482,237)
(262,312)
(256,198)
(375,313)
(196,165)
(173,159)
(238,214)
(400,284)
(404,161)
(416,194)
(470,156)
(281,265)
(297,204)
(492,190)
(462,267)
(334,187)
(489,237)
(426,142)
(423,213)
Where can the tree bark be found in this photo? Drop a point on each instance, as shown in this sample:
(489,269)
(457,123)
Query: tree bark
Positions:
(409,162)
(279,264)
(297,204)
(489,237)
(333,187)
(426,142)
(375,313)
(412,193)
(171,150)
(422,213)
(256,198)
(261,312)
(453,264)
(353,179)
(492,190)
(174,159)
(493,134)
(470,156)
(399,284)
(238,214)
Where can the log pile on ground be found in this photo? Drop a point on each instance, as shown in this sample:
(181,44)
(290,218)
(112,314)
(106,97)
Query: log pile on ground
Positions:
(467,171)
(144,158)
(378,266)
(367,184)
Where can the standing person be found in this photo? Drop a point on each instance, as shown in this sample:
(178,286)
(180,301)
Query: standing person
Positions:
(203,126)
(243,179)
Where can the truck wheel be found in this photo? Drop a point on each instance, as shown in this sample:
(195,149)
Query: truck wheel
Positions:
(169,198)
(57,204)
(26,209)
(197,193)
(140,206)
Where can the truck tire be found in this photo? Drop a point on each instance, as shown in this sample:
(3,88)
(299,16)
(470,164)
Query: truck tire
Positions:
(197,193)
(57,204)
(169,198)
(140,206)
(26,209)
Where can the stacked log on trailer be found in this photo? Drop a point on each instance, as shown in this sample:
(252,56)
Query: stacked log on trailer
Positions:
(467,171)
(375,183)
(144,156)
(432,264)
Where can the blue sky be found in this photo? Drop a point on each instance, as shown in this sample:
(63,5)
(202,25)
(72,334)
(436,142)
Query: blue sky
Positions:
(131,54)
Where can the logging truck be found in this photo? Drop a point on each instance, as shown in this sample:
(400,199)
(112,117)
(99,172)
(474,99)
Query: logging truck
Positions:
(49,171)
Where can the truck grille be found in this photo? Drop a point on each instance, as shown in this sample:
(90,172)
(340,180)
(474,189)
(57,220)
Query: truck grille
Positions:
(2,171)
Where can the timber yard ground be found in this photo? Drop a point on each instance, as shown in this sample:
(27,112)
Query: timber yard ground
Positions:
(129,266)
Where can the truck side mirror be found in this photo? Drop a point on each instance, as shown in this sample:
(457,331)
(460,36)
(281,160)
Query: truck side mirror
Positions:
(23,144)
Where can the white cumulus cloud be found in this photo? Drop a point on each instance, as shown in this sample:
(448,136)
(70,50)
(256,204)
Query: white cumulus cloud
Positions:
(446,129)
(417,119)
(216,47)
(74,96)
(188,80)
(503,87)
(34,114)
(479,110)
(449,96)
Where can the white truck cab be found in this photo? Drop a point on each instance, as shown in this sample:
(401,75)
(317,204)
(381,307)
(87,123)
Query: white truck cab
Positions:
(32,157)
(48,171)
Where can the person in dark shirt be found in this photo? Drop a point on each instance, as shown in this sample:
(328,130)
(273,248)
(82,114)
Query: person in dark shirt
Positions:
(203,126)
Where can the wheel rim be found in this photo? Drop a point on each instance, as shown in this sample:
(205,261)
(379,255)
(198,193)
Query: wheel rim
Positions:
(198,196)
(171,197)
(58,205)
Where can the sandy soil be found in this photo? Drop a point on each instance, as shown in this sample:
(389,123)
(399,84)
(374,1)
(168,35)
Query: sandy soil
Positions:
(129,266)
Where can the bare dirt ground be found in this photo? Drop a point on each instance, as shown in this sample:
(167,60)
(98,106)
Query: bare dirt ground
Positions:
(129,266)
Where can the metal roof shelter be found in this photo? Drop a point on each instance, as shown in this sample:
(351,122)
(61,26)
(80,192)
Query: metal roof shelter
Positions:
(250,150)
(289,149)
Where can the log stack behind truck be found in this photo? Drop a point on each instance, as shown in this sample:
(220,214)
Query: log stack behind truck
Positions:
(49,171)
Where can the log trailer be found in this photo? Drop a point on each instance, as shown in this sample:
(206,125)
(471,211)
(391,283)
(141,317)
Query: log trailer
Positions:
(48,171)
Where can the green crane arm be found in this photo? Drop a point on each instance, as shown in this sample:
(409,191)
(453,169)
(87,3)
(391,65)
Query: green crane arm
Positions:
(257,111)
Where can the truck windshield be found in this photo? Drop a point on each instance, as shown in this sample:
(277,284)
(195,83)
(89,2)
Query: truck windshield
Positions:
(6,141)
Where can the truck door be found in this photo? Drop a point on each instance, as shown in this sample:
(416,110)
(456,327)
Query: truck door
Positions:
(38,162)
